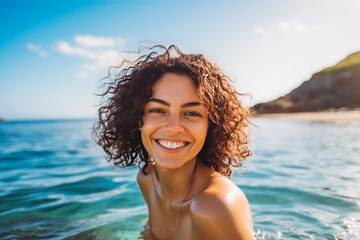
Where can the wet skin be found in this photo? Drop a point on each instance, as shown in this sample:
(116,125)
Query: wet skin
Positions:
(174,131)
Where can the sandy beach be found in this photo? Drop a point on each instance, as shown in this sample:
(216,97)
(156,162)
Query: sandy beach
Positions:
(326,116)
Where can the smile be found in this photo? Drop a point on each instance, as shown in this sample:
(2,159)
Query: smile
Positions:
(171,144)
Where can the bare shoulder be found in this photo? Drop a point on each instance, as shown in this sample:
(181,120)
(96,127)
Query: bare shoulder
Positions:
(143,178)
(221,211)
(145,181)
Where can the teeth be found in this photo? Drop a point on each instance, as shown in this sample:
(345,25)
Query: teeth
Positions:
(171,144)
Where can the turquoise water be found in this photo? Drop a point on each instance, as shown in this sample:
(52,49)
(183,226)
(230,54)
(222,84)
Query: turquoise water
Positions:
(302,183)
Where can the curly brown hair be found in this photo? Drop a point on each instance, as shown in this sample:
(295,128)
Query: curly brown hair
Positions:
(120,116)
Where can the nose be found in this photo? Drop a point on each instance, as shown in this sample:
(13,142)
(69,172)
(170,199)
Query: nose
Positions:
(174,124)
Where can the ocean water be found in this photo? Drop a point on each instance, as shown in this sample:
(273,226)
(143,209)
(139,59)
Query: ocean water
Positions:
(303,182)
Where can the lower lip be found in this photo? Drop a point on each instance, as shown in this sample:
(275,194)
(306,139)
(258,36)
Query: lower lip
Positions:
(175,150)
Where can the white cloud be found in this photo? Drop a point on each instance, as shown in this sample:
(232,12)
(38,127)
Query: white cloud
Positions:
(101,57)
(38,49)
(95,41)
(293,27)
(82,74)
(91,48)
(261,31)
(67,49)
(97,58)
(91,67)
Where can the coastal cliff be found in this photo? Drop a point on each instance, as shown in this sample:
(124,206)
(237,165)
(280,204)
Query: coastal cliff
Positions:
(334,87)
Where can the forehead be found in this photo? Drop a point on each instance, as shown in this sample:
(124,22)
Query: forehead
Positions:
(175,87)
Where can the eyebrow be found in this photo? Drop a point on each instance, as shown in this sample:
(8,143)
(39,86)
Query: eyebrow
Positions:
(189,104)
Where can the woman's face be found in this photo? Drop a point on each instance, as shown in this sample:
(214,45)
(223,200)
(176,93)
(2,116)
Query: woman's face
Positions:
(174,122)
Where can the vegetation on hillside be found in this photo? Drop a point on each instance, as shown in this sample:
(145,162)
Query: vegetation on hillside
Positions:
(350,61)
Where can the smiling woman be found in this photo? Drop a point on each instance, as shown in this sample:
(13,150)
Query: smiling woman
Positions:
(174,122)
(179,119)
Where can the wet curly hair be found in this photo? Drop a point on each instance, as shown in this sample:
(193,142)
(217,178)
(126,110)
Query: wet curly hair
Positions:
(120,115)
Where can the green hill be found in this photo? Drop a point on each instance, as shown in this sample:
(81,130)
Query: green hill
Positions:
(350,61)
(334,87)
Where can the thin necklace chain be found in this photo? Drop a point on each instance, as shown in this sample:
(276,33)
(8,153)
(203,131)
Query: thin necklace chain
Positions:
(179,208)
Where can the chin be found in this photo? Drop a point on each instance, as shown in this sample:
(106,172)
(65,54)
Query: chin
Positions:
(171,163)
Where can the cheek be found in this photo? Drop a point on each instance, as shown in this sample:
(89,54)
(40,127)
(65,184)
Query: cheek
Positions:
(141,123)
(147,130)
(146,141)
(201,131)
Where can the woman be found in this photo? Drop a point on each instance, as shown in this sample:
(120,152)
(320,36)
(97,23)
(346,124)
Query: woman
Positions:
(179,119)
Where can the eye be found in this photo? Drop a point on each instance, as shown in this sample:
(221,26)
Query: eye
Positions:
(156,110)
(192,114)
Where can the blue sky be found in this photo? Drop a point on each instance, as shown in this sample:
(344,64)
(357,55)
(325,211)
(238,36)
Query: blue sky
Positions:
(54,52)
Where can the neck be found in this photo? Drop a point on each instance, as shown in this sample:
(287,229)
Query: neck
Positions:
(175,183)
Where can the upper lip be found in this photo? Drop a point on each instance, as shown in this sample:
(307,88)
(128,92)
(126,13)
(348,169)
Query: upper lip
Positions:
(171,140)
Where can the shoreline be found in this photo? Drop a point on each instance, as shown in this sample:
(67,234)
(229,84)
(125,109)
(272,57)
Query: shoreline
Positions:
(323,116)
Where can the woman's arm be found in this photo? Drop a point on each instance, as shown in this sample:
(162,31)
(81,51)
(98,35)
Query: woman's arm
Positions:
(147,234)
(143,181)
